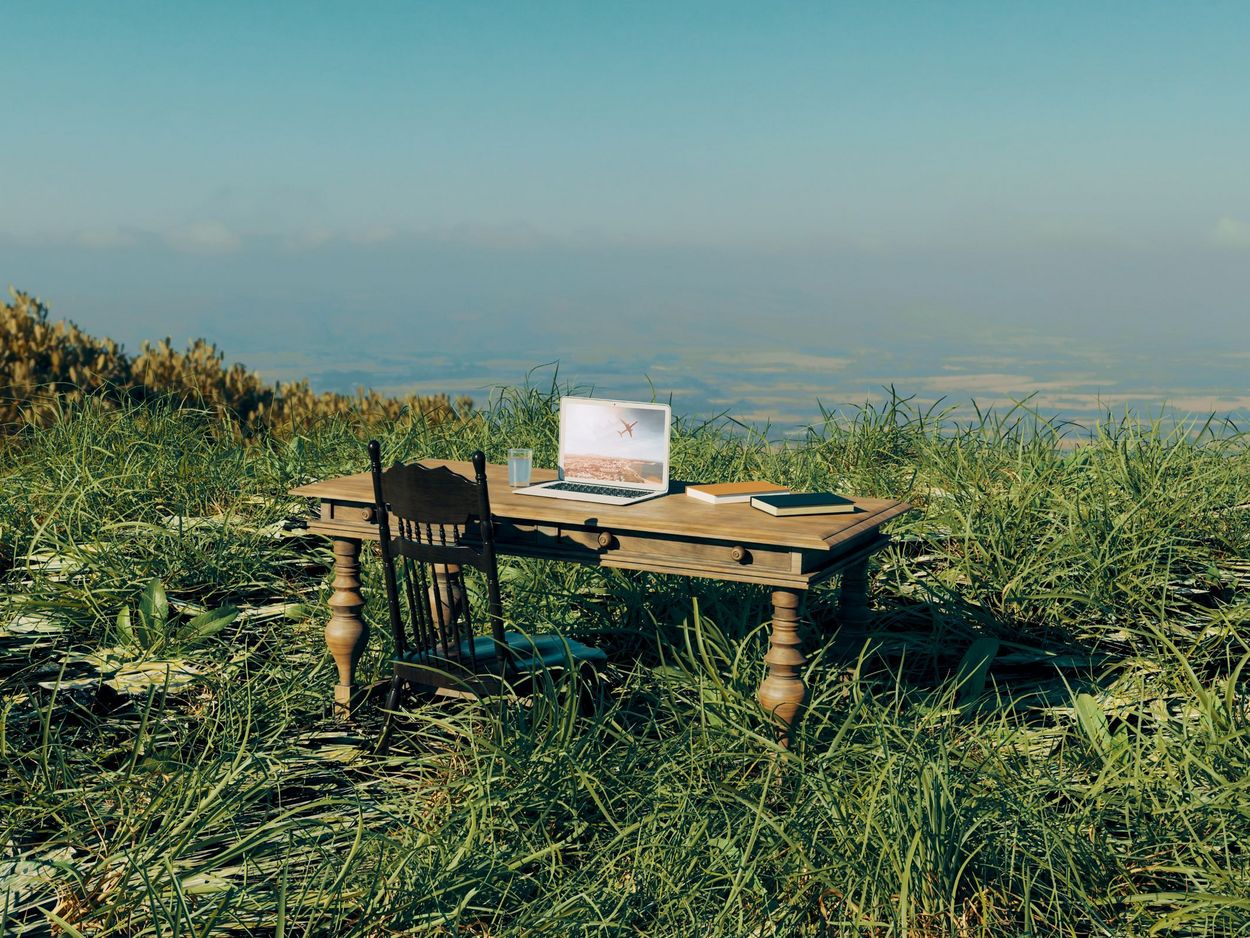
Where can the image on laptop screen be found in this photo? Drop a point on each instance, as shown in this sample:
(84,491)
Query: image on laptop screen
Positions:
(605,442)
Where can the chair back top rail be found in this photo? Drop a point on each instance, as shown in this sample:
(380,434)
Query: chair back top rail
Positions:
(430,496)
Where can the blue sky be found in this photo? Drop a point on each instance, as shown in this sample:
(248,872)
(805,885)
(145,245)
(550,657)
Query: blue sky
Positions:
(680,182)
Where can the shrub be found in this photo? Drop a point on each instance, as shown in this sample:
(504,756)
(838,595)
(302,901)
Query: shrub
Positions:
(46,366)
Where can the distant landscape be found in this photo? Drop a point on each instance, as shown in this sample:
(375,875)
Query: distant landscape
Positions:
(767,340)
(613,469)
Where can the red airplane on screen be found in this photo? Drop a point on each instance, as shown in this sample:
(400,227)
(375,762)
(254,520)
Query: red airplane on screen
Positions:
(629,428)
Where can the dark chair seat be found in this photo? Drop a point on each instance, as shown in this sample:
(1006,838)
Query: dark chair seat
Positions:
(529,652)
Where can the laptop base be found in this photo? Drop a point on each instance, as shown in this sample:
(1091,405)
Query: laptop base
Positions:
(545,490)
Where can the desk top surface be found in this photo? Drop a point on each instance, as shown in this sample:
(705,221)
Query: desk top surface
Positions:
(675,514)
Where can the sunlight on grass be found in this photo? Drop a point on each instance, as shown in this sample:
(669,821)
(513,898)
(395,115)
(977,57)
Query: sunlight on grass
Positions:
(1042,731)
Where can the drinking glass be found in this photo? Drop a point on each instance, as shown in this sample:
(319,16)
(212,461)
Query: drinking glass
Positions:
(520,461)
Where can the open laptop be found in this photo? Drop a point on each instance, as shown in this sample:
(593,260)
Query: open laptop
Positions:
(612,452)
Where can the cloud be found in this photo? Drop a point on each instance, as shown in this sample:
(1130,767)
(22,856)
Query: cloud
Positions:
(378,234)
(1231,233)
(1211,403)
(768,362)
(993,382)
(203,237)
(103,239)
(506,237)
(308,239)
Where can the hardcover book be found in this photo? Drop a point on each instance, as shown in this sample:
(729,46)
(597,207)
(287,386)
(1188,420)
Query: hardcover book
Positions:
(723,493)
(803,503)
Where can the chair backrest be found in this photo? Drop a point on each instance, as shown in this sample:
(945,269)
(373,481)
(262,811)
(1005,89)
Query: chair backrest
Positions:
(432,524)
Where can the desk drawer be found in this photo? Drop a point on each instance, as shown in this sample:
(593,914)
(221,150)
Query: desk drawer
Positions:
(701,554)
(600,545)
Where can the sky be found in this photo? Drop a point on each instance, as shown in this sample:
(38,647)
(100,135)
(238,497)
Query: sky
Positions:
(741,206)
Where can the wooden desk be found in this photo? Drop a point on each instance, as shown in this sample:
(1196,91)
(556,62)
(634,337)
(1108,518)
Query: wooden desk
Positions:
(671,534)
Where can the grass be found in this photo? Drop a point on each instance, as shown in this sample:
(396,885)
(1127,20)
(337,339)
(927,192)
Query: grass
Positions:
(1042,732)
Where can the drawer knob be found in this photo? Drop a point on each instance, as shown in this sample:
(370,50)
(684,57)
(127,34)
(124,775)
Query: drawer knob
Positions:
(740,554)
(368,515)
(606,540)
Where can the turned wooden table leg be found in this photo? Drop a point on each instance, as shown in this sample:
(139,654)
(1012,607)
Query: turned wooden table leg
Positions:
(446,599)
(853,596)
(782,693)
(347,633)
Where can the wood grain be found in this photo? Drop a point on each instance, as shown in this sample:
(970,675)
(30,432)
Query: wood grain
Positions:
(675,514)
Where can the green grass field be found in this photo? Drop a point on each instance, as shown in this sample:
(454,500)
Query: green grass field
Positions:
(1042,732)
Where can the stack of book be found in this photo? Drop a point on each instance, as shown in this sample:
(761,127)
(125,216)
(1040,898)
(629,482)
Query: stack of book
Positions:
(724,493)
(774,499)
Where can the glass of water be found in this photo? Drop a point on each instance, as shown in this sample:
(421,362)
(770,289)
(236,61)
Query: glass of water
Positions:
(520,461)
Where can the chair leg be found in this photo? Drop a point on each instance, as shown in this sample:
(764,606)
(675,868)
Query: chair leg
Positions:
(395,697)
(589,690)
(393,700)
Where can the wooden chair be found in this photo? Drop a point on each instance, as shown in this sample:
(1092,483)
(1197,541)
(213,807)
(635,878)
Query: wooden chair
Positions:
(442,525)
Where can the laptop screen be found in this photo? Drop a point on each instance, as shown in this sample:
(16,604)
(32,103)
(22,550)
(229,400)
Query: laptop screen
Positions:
(619,442)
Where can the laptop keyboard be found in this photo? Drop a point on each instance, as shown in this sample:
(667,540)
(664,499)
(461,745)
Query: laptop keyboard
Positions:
(609,490)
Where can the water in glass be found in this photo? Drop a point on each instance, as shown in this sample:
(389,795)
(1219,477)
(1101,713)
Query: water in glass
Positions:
(519,463)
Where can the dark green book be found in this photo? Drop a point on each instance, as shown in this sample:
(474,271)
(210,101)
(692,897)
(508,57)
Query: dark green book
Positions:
(803,503)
